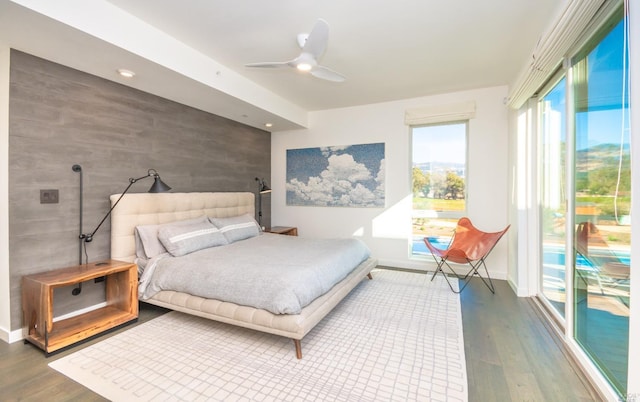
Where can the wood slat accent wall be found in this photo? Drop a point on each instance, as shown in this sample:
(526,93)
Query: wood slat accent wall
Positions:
(59,117)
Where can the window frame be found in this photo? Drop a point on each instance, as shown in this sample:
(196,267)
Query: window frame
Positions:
(466,123)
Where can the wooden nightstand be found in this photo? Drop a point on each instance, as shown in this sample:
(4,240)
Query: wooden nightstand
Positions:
(37,303)
(283,230)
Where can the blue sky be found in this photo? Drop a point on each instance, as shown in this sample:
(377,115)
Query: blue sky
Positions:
(603,122)
(441,143)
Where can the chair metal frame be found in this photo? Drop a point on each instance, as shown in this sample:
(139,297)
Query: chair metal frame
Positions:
(469,245)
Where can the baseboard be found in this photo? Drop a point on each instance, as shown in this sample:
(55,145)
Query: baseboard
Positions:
(419,265)
(520,292)
(81,311)
(408,264)
(11,336)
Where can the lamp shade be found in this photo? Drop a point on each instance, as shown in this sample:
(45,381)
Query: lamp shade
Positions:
(158,185)
(264,188)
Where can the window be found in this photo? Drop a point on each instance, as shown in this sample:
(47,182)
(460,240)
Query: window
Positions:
(602,174)
(585,163)
(438,182)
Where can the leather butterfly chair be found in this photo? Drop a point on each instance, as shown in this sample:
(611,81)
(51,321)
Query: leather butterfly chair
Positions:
(469,245)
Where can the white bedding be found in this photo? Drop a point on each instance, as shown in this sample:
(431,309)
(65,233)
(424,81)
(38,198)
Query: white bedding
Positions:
(158,209)
(280,274)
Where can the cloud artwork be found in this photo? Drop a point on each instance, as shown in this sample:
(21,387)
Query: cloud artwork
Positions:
(338,176)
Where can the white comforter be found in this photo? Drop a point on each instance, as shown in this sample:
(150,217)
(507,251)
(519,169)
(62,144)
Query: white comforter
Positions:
(281,274)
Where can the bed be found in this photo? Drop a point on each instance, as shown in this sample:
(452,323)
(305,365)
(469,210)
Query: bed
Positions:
(137,211)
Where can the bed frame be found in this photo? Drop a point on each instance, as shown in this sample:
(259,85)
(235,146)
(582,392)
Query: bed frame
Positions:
(145,209)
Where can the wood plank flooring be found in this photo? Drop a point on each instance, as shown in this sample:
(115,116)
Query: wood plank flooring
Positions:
(510,356)
(510,353)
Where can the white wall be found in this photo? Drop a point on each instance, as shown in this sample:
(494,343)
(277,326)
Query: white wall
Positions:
(5,308)
(524,240)
(387,231)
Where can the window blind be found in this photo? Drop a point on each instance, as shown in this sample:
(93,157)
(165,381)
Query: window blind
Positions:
(552,47)
(440,113)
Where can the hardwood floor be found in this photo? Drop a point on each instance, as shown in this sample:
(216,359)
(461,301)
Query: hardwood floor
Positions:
(510,356)
(26,376)
(510,353)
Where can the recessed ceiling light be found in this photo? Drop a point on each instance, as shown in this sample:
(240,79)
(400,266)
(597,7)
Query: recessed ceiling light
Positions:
(126,73)
(268,125)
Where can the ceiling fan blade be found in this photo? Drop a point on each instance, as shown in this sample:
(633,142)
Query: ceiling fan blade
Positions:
(327,74)
(313,48)
(274,64)
(317,40)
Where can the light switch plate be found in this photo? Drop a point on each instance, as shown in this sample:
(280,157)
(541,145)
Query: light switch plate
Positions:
(48,196)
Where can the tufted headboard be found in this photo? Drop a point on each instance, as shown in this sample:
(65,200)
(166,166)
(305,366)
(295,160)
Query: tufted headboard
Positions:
(149,208)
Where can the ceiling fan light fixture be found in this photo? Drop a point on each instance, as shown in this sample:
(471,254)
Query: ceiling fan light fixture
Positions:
(305,62)
(313,47)
(304,67)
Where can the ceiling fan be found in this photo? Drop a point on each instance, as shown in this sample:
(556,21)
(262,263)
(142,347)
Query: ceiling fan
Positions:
(313,46)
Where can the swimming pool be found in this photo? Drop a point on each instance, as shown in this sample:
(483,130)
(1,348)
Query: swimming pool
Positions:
(419,248)
(552,255)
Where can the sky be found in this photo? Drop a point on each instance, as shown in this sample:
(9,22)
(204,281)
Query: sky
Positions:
(441,143)
(604,121)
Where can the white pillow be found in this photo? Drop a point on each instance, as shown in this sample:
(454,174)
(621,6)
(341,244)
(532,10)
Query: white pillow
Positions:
(185,239)
(238,227)
(147,243)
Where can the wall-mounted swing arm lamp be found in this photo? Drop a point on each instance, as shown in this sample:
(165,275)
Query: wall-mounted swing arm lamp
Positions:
(158,186)
(262,189)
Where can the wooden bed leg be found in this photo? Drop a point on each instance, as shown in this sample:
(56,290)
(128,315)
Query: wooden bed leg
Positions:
(298,348)
(369,275)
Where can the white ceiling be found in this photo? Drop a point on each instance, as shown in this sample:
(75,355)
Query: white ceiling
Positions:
(388,50)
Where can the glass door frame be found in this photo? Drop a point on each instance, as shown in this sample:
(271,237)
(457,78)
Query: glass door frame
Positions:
(560,320)
(567,331)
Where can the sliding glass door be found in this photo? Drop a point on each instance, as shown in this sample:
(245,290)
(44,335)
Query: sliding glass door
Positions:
(553,194)
(602,203)
(584,146)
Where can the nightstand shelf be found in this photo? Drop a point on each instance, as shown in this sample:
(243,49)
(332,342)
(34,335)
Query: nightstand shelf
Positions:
(283,230)
(37,304)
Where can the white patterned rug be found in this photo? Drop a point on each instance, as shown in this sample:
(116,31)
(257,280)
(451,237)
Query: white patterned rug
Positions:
(397,337)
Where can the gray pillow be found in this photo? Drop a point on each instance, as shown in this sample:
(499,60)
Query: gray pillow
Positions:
(238,227)
(185,239)
(147,243)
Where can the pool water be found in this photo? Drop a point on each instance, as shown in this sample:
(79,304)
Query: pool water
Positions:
(552,255)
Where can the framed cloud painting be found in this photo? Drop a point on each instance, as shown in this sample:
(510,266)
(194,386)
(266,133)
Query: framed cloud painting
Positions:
(338,176)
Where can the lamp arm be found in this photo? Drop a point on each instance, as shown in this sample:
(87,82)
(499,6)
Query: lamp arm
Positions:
(150,173)
(89,237)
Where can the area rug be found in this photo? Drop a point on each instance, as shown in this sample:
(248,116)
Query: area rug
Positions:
(397,337)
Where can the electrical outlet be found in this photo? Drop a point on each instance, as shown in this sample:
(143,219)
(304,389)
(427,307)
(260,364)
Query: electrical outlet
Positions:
(48,196)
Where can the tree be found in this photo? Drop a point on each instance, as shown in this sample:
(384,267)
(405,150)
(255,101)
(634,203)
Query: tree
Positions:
(454,185)
(420,182)
(438,185)
(603,181)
